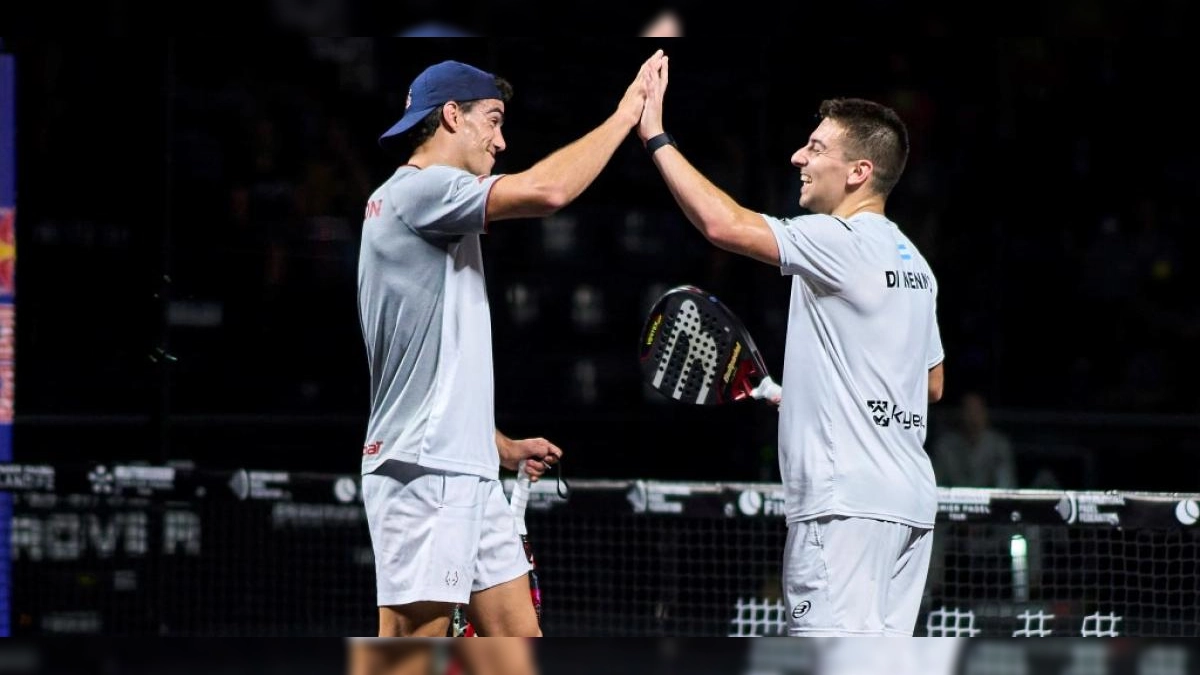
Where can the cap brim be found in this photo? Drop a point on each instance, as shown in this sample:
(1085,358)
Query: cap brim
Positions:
(390,137)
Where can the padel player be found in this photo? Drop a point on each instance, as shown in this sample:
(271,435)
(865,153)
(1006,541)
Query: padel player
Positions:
(440,526)
(863,360)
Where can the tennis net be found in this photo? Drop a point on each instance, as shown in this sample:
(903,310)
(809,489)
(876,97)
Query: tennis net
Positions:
(162,550)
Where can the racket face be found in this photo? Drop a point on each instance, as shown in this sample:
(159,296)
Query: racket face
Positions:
(694,350)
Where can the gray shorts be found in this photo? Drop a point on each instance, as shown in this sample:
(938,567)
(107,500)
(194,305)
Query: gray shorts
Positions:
(854,576)
(438,536)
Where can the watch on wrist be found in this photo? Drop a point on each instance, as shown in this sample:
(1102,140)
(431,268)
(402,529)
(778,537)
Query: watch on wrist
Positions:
(658,141)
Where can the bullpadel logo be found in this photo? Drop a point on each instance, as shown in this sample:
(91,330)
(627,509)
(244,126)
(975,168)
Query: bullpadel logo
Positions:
(801,609)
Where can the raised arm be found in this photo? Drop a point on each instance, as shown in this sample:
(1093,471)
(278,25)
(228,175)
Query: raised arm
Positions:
(724,222)
(563,175)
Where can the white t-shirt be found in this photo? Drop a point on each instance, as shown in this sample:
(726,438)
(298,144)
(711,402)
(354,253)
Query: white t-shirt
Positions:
(423,309)
(862,336)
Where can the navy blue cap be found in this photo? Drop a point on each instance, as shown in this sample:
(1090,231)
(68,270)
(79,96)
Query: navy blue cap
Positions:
(437,84)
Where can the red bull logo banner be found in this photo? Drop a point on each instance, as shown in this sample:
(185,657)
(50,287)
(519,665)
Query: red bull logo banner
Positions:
(8,252)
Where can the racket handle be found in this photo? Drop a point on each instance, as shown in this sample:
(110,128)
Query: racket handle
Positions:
(768,390)
(520,497)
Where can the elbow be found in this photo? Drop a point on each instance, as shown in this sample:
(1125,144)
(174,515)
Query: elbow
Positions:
(937,382)
(553,200)
(721,235)
(546,196)
(720,238)
(547,204)
(729,227)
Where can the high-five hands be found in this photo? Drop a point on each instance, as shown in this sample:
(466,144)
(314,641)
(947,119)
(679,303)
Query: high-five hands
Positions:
(651,123)
(630,107)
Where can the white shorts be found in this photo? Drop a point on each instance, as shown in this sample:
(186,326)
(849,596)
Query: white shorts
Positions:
(854,576)
(438,536)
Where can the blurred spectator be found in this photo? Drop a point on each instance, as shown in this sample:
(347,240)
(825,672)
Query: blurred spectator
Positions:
(311,17)
(975,454)
(666,23)
(434,29)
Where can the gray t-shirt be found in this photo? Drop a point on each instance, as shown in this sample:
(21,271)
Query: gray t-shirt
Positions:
(423,309)
(862,336)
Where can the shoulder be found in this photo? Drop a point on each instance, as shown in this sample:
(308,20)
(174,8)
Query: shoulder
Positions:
(811,220)
(869,220)
(816,227)
(433,181)
(437,174)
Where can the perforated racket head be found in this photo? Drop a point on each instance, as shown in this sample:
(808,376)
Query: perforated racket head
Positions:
(694,350)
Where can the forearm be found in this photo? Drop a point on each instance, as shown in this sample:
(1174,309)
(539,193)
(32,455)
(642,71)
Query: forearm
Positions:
(707,206)
(502,444)
(568,171)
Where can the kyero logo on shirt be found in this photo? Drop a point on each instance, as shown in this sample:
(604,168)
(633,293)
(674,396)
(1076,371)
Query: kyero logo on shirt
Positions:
(883,413)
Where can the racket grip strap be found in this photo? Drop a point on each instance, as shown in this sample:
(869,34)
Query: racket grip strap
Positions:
(768,390)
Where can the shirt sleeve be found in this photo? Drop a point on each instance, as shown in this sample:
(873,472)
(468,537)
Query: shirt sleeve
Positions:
(819,248)
(443,200)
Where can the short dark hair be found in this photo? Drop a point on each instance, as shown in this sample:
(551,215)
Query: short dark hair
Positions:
(873,131)
(425,129)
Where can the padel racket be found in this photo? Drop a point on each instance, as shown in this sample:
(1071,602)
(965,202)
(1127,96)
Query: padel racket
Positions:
(517,502)
(695,350)
(460,626)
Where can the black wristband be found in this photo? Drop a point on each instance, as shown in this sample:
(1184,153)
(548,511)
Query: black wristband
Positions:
(658,141)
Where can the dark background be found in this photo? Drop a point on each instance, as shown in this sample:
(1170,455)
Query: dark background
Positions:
(189,213)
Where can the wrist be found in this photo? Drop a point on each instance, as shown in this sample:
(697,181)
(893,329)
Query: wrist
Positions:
(656,141)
